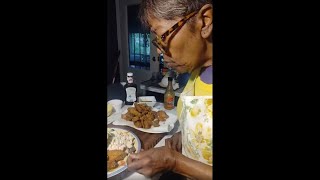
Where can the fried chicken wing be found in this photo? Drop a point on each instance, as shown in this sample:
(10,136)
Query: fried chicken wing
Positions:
(150,116)
(127,116)
(112,165)
(154,114)
(147,124)
(138,124)
(136,118)
(138,107)
(162,116)
(155,123)
(133,111)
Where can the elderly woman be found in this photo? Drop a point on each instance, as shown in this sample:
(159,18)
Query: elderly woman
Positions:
(183,30)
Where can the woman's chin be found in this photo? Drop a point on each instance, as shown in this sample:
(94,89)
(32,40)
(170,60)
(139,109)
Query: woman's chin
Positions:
(181,69)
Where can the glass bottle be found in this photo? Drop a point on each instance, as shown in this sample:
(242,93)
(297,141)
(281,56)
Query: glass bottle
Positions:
(169,95)
(130,89)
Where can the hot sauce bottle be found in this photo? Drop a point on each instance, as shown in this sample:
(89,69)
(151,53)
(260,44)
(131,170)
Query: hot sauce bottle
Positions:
(169,96)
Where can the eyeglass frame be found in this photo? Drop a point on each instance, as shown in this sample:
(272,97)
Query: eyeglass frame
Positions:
(158,41)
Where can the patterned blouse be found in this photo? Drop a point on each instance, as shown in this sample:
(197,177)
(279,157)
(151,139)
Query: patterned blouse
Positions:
(195,117)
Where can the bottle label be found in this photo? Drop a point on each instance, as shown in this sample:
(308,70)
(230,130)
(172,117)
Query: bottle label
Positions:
(130,79)
(169,102)
(131,94)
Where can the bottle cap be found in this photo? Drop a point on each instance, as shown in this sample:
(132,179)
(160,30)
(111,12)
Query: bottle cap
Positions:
(129,74)
(169,78)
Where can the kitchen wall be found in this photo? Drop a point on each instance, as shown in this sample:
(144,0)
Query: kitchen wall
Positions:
(140,75)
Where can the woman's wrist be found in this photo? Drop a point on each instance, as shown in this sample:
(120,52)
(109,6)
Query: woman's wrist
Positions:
(190,168)
(171,161)
(176,158)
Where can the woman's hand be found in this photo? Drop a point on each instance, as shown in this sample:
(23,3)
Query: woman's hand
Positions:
(174,142)
(152,161)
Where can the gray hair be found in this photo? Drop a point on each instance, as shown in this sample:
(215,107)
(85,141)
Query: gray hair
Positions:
(168,9)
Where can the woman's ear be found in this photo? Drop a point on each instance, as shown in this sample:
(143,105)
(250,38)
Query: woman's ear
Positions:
(206,15)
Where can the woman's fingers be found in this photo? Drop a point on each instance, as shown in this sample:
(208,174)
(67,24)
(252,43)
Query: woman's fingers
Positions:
(133,156)
(143,166)
(134,162)
(130,159)
(135,165)
(176,142)
(140,163)
(137,160)
(178,145)
(145,171)
(168,143)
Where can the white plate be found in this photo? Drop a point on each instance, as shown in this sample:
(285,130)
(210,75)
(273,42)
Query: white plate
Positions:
(120,169)
(165,126)
(113,117)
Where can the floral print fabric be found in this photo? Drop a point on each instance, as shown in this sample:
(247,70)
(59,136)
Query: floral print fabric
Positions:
(196,128)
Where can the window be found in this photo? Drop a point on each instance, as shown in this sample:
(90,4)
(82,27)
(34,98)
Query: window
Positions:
(139,50)
(139,41)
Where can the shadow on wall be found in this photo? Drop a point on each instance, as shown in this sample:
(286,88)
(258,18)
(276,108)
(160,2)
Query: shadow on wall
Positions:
(115,91)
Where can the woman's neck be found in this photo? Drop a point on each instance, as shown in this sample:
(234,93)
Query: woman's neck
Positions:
(208,55)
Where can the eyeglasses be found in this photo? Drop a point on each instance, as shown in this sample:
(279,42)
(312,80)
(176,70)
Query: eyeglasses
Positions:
(159,42)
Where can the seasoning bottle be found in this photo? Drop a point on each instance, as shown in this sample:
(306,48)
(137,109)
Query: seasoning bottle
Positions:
(130,89)
(169,95)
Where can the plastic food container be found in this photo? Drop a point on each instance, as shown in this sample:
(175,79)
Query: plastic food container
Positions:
(149,100)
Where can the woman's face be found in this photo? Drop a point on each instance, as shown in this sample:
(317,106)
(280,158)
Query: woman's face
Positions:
(185,48)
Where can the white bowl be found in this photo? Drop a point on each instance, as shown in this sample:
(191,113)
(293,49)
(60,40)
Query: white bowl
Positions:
(149,100)
(109,109)
(116,104)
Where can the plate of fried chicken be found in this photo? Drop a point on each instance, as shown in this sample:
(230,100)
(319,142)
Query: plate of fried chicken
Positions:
(120,143)
(147,119)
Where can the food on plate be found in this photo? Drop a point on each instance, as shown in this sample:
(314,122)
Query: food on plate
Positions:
(138,124)
(127,116)
(110,136)
(156,123)
(116,155)
(112,165)
(162,116)
(134,119)
(133,111)
(120,144)
(109,109)
(142,116)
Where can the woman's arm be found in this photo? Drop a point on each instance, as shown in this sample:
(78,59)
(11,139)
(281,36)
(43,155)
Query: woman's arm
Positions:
(186,166)
(191,168)
(155,160)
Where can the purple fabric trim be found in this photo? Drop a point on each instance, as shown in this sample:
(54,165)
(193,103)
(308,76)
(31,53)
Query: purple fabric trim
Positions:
(206,75)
